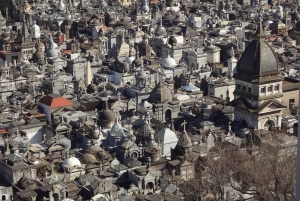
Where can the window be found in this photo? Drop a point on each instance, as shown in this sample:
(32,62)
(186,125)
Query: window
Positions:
(244,88)
(249,90)
(263,90)
(276,87)
(269,88)
(291,101)
(239,86)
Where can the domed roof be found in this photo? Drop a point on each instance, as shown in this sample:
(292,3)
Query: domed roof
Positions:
(146,129)
(61,6)
(287,39)
(141,74)
(129,60)
(27,6)
(296,15)
(52,52)
(106,117)
(39,55)
(172,41)
(88,158)
(94,134)
(166,135)
(127,144)
(184,140)
(160,94)
(168,62)
(91,88)
(120,67)
(278,39)
(93,149)
(160,30)
(103,3)
(136,62)
(117,130)
(71,162)
(258,60)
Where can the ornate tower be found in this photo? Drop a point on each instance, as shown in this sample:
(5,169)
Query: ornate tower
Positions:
(258,92)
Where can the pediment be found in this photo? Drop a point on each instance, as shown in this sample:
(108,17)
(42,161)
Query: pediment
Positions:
(271,107)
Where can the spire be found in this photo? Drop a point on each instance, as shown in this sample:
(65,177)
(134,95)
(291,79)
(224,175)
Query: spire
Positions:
(184,122)
(25,32)
(259,34)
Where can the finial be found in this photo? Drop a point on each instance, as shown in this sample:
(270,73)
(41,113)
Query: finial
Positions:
(184,122)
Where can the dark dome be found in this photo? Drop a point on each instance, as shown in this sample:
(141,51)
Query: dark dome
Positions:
(106,117)
(88,158)
(172,41)
(258,60)
(160,94)
(120,67)
(91,88)
(287,39)
(160,31)
(295,16)
(136,63)
(93,149)
(297,26)
(278,39)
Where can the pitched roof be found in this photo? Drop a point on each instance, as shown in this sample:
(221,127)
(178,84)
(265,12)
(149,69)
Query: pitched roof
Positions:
(55,101)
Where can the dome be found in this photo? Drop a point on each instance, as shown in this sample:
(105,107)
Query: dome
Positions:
(127,144)
(117,130)
(278,39)
(258,61)
(172,41)
(166,135)
(91,88)
(160,30)
(38,55)
(52,53)
(184,140)
(93,149)
(146,129)
(129,60)
(168,62)
(141,74)
(71,162)
(103,3)
(295,15)
(160,94)
(287,39)
(83,38)
(61,6)
(88,158)
(27,6)
(120,67)
(106,117)
(136,62)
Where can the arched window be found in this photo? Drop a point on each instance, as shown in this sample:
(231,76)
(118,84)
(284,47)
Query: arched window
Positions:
(3,197)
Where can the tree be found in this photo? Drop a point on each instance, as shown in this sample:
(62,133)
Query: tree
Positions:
(269,174)
(266,175)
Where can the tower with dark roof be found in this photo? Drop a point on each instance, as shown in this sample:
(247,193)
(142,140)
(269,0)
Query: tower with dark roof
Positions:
(258,93)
